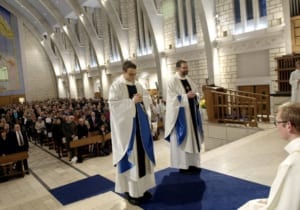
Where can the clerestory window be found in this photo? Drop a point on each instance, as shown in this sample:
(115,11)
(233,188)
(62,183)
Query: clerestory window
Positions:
(114,55)
(144,36)
(77,66)
(93,56)
(185,17)
(249,15)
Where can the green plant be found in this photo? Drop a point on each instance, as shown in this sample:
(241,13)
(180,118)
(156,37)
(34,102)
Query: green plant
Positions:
(203,103)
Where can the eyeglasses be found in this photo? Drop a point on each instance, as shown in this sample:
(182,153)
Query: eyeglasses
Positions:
(279,122)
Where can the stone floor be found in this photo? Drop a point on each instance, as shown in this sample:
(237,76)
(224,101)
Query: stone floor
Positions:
(254,157)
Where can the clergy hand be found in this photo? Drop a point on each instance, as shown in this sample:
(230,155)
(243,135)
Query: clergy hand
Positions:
(137,98)
(191,94)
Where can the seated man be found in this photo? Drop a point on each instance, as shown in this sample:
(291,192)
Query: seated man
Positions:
(20,143)
(285,189)
(82,132)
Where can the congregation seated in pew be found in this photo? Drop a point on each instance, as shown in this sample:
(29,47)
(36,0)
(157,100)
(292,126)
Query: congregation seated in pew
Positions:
(82,146)
(59,120)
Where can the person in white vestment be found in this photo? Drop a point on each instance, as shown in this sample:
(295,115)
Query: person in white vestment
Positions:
(162,110)
(295,83)
(132,142)
(183,124)
(285,189)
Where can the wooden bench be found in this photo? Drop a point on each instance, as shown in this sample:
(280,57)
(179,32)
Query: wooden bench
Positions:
(7,161)
(95,139)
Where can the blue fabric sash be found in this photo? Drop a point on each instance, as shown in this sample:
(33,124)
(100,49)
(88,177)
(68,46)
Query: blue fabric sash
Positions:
(124,163)
(180,124)
(145,132)
(199,122)
(146,138)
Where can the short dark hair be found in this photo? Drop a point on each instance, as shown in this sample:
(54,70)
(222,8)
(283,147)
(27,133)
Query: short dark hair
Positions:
(128,64)
(178,63)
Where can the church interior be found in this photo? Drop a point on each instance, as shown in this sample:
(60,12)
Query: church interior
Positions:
(60,57)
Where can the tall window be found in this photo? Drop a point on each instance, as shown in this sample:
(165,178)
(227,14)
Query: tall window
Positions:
(262,9)
(237,11)
(93,58)
(185,22)
(144,36)
(64,70)
(77,66)
(117,4)
(178,32)
(76,28)
(193,13)
(3,73)
(53,47)
(113,46)
(249,9)
(95,22)
(186,30)
(250,15)
(294,8)
(64,40)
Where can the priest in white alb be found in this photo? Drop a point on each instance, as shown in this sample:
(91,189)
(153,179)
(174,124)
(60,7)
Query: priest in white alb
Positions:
(132,142)
(183,124)
(295,83)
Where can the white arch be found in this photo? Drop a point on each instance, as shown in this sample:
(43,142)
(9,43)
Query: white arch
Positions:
(206,11)
(120,32)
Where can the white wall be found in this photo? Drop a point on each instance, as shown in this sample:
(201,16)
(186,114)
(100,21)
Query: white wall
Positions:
(253,64)
(39,79)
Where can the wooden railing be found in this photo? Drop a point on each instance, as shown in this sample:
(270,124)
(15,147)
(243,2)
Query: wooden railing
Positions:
(262,102)
(229,106)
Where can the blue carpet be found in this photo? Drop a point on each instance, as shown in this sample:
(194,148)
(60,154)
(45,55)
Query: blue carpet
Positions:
(82,189)
(207,191)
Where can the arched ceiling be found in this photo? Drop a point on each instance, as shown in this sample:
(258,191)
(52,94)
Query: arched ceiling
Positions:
(49,16)
(40,12)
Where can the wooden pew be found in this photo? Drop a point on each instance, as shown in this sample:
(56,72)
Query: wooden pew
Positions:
(95,139)
(7,161)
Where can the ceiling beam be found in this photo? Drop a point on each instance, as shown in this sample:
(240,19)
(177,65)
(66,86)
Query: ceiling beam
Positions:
(120,32)
(53,10)
(97,43)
